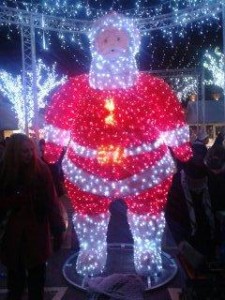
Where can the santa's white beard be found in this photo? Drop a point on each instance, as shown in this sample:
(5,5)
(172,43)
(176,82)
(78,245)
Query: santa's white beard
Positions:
(113,73)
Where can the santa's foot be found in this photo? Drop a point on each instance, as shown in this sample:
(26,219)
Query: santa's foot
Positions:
(147,263)
(91,262)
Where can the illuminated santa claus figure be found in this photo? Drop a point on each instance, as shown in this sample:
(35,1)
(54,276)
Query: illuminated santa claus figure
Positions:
(118,124)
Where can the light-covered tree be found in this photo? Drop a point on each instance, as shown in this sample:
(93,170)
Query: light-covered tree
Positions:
(12,87)
(184,86)
(213,61)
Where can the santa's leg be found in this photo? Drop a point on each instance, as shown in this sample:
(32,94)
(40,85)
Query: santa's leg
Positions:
(92,232)
(147,231)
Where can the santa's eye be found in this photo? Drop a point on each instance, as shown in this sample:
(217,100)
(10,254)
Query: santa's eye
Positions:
(105,41)
(118,39)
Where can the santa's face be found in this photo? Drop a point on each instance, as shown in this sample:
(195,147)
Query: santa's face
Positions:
(112,42)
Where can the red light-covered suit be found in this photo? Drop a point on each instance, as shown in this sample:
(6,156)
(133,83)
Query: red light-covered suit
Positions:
(118,124)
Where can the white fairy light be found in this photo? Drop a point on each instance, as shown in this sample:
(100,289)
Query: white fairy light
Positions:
(214,63)
(93,248)
(12,87)
(104,64)
(147,252)
(184,86)
(119,129)
(196,12)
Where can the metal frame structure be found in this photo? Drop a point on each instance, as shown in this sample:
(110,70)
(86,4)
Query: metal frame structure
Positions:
(198,74)
(28,22)
(187,16)
(29,60)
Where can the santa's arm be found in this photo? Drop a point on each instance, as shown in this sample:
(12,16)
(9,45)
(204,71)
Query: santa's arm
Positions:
(172,124)
(58,122)
(179,142)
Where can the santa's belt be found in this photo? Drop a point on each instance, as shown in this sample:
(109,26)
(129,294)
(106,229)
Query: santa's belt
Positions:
(114,150)
(133,185)
(62,137)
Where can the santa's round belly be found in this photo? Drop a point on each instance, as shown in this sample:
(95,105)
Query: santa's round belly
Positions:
(115,148)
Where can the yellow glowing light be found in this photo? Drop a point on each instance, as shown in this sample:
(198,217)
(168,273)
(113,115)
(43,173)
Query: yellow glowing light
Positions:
(109,120)
(110,106)
(110,155)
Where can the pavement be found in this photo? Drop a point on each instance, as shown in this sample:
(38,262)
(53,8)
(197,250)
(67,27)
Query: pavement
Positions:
(59,288)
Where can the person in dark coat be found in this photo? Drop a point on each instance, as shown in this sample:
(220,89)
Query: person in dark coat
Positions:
(28,195)
(189,212)
(55,168)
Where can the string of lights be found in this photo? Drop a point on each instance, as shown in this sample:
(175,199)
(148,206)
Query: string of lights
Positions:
(171,21)
(118,125)
(214,63)
(179,14)
(12,87)
(94,9)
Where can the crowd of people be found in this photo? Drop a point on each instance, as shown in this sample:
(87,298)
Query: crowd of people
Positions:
(197,195)
(30,189)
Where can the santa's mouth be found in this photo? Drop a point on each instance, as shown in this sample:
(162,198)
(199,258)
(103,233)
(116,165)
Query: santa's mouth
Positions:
(117,51)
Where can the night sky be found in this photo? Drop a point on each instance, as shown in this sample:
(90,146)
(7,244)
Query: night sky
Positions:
(186,52)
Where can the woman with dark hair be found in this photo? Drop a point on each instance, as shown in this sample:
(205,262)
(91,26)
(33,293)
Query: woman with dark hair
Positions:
(28,196)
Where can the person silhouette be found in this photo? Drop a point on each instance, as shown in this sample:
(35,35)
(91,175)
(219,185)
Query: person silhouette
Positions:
(28,197)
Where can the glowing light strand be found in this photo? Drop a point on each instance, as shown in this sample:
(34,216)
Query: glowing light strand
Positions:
(184,86)
(12,88)
(172,138)
(133,185)
(214,63)
(179,15)
(145,112)
(93,247)
(147,250)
